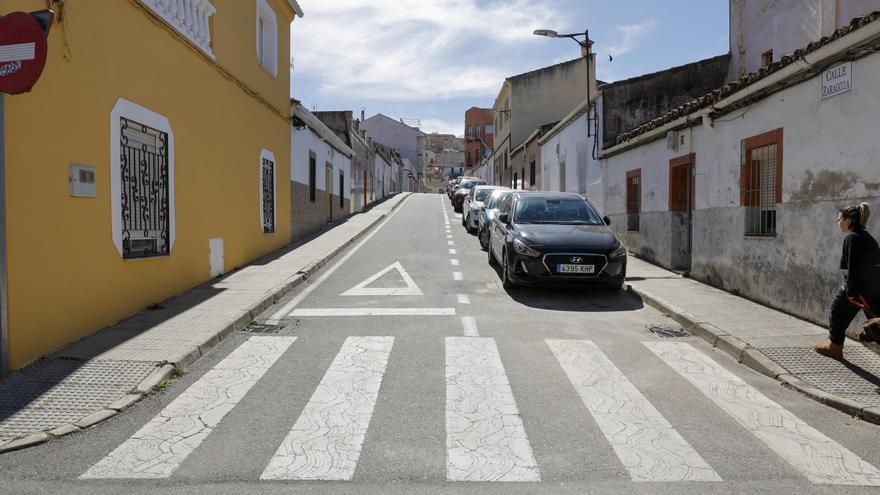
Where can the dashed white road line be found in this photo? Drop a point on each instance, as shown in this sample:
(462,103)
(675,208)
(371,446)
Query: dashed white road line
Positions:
(329,312)
(453,251)
(449,236)
(647,445)
(819,458)
(464,299)
(325,443)
(454,262)
(457,276)
(450,243)
(160,446)
(470,326)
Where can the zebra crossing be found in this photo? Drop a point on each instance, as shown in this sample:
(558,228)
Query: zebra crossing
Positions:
(486,438)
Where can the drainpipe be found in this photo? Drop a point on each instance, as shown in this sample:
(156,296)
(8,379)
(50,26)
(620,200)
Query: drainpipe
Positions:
(4,320)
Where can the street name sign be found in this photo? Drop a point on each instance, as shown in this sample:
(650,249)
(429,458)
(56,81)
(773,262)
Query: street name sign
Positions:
(837,80)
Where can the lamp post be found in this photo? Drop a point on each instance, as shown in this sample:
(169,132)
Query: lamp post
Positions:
(586,46)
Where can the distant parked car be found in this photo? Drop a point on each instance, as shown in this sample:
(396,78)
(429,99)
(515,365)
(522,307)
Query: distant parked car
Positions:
(555,238)
(462,190)
(450,187)
(473,206)
(490,207)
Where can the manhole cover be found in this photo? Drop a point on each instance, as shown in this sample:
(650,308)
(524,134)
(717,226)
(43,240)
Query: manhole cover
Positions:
(262,328)
(667,332)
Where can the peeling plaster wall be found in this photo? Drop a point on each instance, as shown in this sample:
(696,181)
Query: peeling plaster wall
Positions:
(831,157)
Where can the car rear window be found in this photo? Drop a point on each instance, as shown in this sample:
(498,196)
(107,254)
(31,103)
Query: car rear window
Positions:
(556,211)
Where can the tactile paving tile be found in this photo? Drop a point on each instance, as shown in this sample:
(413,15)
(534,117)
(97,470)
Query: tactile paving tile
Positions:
(800,360)
(841,383)
(787,341)
(870,400)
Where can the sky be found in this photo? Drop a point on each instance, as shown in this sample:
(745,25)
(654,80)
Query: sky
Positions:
(433,59)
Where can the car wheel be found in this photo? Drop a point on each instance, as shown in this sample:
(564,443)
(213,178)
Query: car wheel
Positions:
(506,283)
(484,239)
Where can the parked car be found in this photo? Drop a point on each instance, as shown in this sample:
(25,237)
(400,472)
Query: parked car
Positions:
(490,207)
(462,190)
(474,204)
(554,238)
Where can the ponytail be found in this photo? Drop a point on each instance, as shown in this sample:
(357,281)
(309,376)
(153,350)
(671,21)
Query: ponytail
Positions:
(857,214)
(864,213)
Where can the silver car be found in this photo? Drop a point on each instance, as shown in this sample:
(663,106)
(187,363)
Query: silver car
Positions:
(490,207)
(473,206)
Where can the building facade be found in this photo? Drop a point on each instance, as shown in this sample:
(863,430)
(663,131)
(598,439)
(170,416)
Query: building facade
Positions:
(155,180)
(320,174)
(479,135)
(407,141)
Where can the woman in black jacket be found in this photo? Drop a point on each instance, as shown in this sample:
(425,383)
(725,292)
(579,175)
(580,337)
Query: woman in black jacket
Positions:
(860,257)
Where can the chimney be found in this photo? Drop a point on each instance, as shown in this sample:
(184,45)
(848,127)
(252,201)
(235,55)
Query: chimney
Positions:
(362,115)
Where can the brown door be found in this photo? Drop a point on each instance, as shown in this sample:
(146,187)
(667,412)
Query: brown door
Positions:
(328,186)
(681,206)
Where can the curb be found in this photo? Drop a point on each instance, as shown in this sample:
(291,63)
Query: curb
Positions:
(753,358)
(164,371)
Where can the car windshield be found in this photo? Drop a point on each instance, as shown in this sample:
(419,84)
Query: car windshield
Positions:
(482,194)
(495,199)
(470,185)
(558,211)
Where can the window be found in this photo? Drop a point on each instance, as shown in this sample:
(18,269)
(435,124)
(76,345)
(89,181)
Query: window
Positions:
(341,189)
(470,133)
(267,191)
(144,195)
(489,129)
(267,37)
(141,181)
(532,174)
(515,183)
(761,182)
(633,199)
(477,131)
(767,58)
(313,174)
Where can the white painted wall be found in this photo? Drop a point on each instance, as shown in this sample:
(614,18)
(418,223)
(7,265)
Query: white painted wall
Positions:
(306,140)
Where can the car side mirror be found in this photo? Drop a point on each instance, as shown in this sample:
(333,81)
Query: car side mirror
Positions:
(606,220)
(504,218)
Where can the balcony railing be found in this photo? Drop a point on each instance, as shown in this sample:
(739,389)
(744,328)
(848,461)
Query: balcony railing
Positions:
(190,18)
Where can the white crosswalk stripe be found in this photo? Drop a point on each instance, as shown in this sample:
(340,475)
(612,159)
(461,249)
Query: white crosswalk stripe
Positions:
(485,437)
(325,443)
(158,448)
(647,445)
(820,459)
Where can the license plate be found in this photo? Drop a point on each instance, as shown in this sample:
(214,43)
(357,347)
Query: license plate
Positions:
(588,269)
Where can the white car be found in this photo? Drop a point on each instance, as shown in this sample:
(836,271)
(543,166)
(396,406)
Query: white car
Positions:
(473,206)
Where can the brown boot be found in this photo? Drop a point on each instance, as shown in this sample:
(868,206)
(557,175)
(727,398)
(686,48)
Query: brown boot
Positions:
(831,350)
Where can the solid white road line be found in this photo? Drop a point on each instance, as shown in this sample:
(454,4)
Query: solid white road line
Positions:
(819,458)
(470,326)
(463,299)
(320,312)
(287,308)
(158,448)
(457,276)
(326,440)
(485,437)
(361,289)
(452,251)
(454,262)
(647,445)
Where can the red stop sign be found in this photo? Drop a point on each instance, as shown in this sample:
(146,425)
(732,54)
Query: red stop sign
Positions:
(22,52)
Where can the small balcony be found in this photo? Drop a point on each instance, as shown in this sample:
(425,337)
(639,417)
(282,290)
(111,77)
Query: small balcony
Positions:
(190,18)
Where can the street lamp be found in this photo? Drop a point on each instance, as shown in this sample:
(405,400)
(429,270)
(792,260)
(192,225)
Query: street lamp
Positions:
(586,46)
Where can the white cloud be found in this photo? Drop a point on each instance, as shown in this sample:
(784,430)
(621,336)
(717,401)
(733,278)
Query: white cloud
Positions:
(443,127)
(630,36)
(410,50)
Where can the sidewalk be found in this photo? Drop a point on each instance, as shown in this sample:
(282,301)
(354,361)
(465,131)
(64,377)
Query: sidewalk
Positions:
(771,342)
(96,377)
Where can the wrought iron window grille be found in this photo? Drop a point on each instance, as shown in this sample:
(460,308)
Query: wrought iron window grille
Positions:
(268,173)
(145,192)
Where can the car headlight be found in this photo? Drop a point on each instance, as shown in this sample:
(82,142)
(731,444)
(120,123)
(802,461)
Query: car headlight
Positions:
(620,252)
(520,247)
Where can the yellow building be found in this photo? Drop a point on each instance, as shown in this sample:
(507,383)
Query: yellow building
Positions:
(145,160)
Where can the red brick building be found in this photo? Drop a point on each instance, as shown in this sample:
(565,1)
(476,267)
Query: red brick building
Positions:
(479,135)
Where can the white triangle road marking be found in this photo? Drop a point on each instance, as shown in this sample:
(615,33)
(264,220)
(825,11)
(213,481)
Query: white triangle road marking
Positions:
(361,289)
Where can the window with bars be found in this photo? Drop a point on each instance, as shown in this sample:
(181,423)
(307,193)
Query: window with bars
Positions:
(267,170)
(633,199)
(341,189)
(145,197)
(761,182)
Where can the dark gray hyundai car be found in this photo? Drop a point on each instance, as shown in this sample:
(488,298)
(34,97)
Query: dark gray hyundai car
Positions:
(554,238)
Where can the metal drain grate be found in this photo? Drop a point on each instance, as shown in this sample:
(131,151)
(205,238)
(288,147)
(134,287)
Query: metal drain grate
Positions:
(667,332)
(262,328)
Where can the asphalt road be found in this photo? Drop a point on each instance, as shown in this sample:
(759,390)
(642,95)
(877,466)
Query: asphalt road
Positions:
(431,378)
